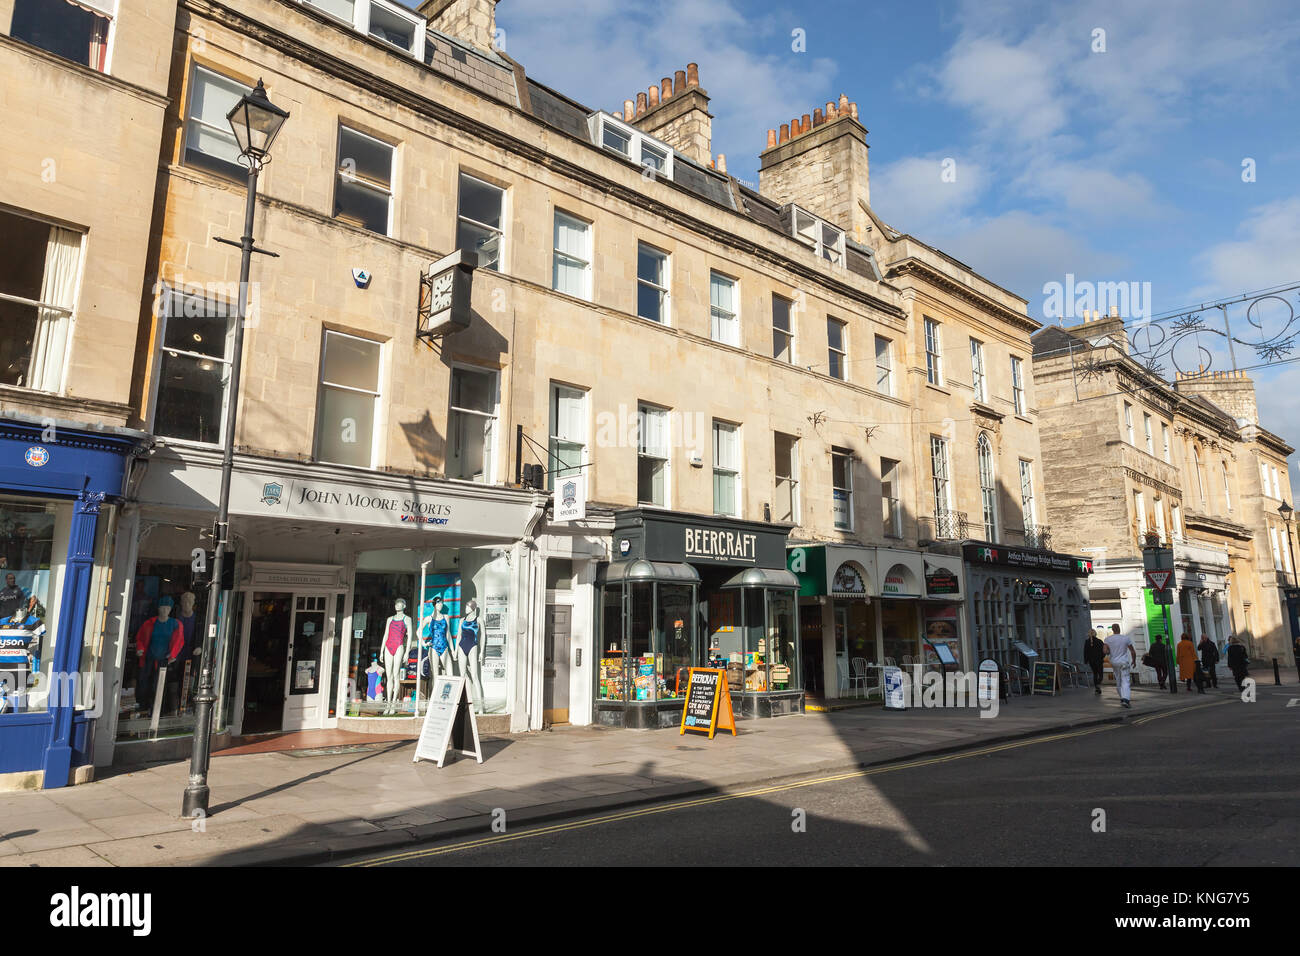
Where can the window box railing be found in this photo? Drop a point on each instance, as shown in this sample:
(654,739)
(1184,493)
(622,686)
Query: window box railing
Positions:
(945,526)
(1038,536)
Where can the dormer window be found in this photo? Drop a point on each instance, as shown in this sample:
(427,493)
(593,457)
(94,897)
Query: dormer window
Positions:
(818,235)
(388,22)
(632,144)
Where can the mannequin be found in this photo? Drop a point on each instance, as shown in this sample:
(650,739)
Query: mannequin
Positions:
(396,645)
(157,644)
(435,626)
(20,662)
(185,614)
(374,679)
(467,649)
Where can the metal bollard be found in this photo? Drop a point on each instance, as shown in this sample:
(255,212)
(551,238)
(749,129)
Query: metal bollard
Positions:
(1277,674)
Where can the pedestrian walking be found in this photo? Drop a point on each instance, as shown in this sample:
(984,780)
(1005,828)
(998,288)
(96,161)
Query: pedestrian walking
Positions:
(1237,660)
(1094,654)
(1158,659)
(1119,648)
(1209,660)
(1189,664)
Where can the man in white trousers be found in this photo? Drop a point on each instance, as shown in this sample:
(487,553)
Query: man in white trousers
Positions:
(1123,657)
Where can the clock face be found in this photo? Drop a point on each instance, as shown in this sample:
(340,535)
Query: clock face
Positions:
(440,293)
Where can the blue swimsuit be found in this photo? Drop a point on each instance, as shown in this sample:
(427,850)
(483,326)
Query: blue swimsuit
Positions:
(468,635)
(440,636)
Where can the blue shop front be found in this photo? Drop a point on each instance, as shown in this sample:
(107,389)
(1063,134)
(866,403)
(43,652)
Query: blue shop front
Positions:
(61,486)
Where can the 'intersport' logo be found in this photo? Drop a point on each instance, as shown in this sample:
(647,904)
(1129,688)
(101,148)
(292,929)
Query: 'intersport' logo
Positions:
(76,909)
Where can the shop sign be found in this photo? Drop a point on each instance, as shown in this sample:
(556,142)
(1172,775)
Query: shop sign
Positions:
(848,581)
(733,547)
(571,499)
(449,723)
(895,697)
(708,702)
(1046,679)
(1038,590)
(989,679)
(808,564)
(941,581)
(37,456)
(894,583)
(1017,558)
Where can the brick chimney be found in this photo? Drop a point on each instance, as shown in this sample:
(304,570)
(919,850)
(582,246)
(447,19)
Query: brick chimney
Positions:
(473,21)
(676,111)
(819,161)
(1095,325)
(1231,390)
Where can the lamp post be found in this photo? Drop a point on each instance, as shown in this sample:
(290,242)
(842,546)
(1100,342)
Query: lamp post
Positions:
(256,122)
(1287,514)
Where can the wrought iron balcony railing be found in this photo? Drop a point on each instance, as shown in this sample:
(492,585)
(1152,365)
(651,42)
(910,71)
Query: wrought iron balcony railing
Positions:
(946,526)
(1038,536)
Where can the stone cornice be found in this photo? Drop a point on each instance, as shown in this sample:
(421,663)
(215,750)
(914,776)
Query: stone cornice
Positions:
(927,273)
(1217,525)
(159,100)
(356,75)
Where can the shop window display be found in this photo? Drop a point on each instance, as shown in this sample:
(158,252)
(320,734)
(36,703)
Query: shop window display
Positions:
(33,539)
(754,636)
(654,661)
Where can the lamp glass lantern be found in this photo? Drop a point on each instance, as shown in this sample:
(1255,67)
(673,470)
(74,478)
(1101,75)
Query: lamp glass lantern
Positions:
(256,121)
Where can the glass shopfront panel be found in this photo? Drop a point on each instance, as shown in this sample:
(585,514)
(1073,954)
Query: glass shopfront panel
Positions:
(648,643)
(418,615)
(33,548)
(755,637)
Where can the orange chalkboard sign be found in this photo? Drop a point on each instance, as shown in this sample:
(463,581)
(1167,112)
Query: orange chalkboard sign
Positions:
(708,702)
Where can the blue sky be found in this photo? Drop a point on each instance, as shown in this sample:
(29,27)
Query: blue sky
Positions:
(1124,165)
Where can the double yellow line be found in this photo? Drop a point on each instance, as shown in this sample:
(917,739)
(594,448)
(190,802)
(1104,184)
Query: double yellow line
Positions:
(1180,710)
(688,804)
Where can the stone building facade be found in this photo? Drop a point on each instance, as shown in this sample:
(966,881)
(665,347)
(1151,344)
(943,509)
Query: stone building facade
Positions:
(1132,459)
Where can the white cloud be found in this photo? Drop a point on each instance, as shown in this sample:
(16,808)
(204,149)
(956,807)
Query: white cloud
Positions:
(1011,90)
(925,195)
(1265,253)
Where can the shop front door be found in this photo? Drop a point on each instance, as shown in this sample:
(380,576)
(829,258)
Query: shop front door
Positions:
(304,685)
(268,646)
(555,701)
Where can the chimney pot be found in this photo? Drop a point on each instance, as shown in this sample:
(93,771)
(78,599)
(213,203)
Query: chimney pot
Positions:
(640,103)
(629,109)
(722,162)
(710,164)
(654,97)
(692,74)
(853,110)
(830,111)
(844,103)
(666,90)
(817,117)
(679,82)
(785,132)
(805,124)
(771,138)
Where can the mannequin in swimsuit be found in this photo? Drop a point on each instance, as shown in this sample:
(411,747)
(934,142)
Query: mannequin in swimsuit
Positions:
(396,644)
(435,627)
(467,650)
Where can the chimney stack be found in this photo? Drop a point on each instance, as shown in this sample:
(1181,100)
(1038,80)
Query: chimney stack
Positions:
(474,21)
(676,111)
(821,165)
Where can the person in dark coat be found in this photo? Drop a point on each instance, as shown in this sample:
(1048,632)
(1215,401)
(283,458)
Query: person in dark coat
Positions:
(1160,659)
(1094,654)
(1209,659)
(1237,660)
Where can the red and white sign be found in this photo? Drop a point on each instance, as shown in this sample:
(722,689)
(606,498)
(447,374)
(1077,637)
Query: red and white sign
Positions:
(1159,579)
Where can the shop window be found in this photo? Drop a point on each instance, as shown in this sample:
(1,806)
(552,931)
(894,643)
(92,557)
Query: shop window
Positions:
(75,31)
(568,433)
(479,221)
(194,354)
(33,544)
(209,142)
(726,469)
(933,353)
(723,309)
(837,350)
(651,283)
(611,677)
(39,268)
(652,455)
(571,270)
(647,654)
(891,505)
(842,487)
(472,424)
(782,333)
(787,478)
(363,189)
(349,395)
(753,634)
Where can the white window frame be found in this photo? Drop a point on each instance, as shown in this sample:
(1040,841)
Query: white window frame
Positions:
(1227,492)
(500,265)
(978,381)
(357,180)
(842,351)
(892,503)
(940,472)
(1128,423)
(636,145)
(663,454)
(788,332)
(733,470)
(489,472)
(1200,479)
(1160,520)
(665,290)
(555,438)
(1017,385)
(376,429)
(1176,520)
(557,254)
(193,124)
(885,371)
(815,235)
(1027,505)
(933,351)
(1140,506)
(988,478)
(1277,550)
(108,10)
(1263,478)
(361,23)
(1147,434)
(716,312)
(846,490)
(166,298)
(1164,437)
(793,478)
(1277,485)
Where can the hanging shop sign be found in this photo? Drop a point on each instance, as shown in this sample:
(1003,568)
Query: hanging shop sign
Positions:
(570,499)
(941,581)
(1046,678)
(449,724)
(708,702)
(1038,590)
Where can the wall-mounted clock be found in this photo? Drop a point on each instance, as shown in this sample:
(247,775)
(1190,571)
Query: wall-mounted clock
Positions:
(445,288)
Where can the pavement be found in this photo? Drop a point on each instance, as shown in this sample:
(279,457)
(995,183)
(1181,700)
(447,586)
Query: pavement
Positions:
(276,808)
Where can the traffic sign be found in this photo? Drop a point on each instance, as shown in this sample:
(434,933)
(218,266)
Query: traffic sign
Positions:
(1159,580)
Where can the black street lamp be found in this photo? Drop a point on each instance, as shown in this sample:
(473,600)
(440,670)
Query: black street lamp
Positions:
(256,122)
